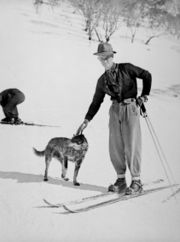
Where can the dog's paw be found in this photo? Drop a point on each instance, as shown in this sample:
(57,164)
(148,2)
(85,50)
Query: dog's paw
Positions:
(76,183)
(65,178)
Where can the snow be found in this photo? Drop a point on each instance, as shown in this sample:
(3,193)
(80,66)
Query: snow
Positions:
(46,54)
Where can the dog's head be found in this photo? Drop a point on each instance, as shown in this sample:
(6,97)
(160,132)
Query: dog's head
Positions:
(79,143)
(79,139)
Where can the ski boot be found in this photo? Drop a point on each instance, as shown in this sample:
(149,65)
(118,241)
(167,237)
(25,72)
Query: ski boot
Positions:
(119,186)
(135,188)
(7,120)
(17,121)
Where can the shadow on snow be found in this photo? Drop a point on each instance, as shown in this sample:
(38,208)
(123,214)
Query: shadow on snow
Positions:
(33,178)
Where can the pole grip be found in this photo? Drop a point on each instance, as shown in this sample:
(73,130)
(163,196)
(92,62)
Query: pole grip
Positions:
(140,102)
(143,108)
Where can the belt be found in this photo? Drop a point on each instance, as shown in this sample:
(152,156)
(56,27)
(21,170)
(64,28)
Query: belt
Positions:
(125,101)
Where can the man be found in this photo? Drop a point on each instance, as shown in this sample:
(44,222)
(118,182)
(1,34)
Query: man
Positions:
(119,81)
(9,99)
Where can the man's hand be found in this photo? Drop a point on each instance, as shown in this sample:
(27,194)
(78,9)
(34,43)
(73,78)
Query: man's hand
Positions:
(82,127)
(141,100)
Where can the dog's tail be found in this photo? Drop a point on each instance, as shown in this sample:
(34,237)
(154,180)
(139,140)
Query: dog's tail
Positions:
(39,153)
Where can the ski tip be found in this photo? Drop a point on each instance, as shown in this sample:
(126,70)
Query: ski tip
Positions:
(31,124)
(52,205)
(45,200)
(40,125)
(67,209)
(48,203)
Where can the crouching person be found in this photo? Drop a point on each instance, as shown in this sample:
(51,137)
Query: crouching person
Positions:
(9,99)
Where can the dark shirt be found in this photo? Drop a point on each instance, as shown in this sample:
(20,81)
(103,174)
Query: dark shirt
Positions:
(120,82)
(9,93)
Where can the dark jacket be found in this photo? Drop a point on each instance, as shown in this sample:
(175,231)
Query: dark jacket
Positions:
(8,94)
(120,83)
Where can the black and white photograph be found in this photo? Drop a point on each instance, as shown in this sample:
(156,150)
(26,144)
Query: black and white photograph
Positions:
(89,120)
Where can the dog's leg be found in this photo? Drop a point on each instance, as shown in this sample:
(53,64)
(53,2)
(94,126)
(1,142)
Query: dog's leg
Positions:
(64,168)
(76,170)
(47,162)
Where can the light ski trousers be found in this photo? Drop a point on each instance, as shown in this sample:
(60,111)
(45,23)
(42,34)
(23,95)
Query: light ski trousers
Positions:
(125,138)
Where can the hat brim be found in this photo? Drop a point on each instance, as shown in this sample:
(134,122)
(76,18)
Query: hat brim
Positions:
(105,53)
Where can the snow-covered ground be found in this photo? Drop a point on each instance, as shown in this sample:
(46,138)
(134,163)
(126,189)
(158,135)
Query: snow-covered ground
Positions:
(47,56)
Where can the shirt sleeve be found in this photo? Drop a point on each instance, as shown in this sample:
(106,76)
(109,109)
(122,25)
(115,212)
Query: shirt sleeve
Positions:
(145,75)
(97,100)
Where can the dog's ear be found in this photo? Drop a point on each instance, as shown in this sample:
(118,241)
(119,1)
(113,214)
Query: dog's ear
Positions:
(74,139)
(78,139)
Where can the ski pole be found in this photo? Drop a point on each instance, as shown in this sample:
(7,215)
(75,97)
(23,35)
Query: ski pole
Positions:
(157,144)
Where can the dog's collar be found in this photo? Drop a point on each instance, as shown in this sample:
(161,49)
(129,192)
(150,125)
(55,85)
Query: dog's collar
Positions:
(75,146)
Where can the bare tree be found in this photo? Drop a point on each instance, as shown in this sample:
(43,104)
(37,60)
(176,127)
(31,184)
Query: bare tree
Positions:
(90,9)
(155,18)
(153,15)
(163,18)
(37,4)
(109,18)
(173,25)
(134,14)
(173,18)
(155,22)
(51,3)
(102,18)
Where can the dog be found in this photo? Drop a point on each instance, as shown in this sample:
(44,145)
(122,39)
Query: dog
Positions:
(64,150)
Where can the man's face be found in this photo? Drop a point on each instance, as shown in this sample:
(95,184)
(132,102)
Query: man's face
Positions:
(106,61)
